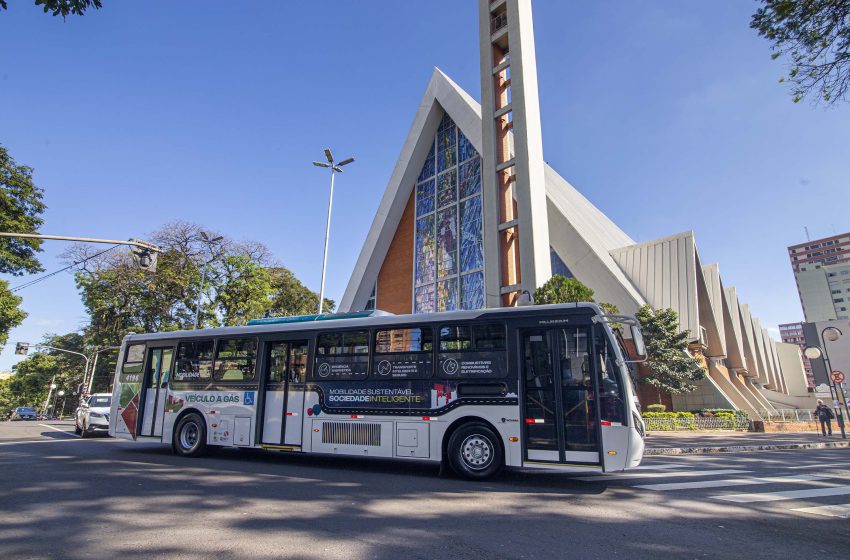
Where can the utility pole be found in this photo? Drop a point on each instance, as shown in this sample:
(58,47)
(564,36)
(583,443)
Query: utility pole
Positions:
(145,252)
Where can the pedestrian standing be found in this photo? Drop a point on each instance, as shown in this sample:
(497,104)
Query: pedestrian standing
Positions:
(824,414)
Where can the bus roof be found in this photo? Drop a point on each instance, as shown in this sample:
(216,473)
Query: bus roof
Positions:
(377,318)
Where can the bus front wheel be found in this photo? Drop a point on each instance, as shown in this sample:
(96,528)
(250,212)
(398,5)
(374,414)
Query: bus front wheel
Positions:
(474,452)
(190,436)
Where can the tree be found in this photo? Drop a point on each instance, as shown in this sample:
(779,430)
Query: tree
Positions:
(291,297)
(63,7)
(815,36)
(234,282)
(21,207)
(560,289)
(671,367)
(11,315)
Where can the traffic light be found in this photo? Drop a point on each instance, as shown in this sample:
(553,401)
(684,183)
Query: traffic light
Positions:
(145,259)
(22,348)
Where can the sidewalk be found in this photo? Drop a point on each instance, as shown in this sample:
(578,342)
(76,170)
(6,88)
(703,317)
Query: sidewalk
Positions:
(682,442)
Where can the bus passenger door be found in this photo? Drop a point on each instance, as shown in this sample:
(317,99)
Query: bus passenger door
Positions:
(155,389)
(561,423)
(286,373)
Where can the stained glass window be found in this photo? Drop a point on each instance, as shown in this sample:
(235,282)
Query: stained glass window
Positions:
(425,198)
(424,251)
(447,242)
(471,235)
(428,168)
(470,177)
(448,237)
(464,148)
(446,144)
(472,288)
(447,295)
(425,299)
(447,188)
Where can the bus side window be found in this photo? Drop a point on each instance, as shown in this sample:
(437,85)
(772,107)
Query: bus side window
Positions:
(194,361)
(134,359)
(404,353)
(475,351)
(235,359)
(298,362)
(341,355)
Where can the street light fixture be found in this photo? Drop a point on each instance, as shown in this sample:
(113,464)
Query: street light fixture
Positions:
(209,240)
(335,168)
(830,334)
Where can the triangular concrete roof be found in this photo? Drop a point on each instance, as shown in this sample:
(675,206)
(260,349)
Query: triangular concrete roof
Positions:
(579,232)
(441,95)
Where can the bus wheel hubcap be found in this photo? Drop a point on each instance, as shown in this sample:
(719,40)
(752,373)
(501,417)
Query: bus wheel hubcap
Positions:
(189,435)
(477,452)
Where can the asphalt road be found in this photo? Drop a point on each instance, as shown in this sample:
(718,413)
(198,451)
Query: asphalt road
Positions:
(65,497)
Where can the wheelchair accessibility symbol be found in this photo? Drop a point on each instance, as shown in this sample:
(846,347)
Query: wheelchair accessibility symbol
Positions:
(450,366)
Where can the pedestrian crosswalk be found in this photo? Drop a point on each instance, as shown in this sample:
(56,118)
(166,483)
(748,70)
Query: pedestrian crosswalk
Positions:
(804,493)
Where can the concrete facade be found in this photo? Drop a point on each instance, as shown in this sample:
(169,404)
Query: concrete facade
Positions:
(745,367)
(822,272)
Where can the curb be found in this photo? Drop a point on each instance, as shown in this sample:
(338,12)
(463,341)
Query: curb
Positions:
(743,448)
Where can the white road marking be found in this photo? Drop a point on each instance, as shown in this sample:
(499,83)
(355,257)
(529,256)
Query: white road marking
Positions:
(626,476)
(59,430)
(661,466)
(66,440)
(730,482)
(786,495)
(838,510)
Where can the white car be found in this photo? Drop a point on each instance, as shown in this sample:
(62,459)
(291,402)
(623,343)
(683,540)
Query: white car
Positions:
(93,415)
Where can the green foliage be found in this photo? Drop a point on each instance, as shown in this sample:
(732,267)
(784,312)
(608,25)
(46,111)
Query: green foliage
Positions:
(815,37)
(656,408)
(671,367)
(291,297)
(560,289)
(11,315)
(21,208)
(669,421)
(30,382)
(234,282)
(63,7)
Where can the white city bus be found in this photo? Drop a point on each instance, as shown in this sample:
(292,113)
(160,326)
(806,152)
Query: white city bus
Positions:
(542,386)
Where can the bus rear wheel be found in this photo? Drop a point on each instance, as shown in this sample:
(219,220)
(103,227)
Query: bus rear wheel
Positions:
(474,452)
(190,436)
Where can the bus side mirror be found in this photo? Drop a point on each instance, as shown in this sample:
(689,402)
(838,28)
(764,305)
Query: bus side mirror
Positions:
(640,346)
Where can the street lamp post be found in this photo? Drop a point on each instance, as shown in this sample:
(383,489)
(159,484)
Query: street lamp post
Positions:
(49,394)
(60,393)
(830,334)
(335,168)
(209,241)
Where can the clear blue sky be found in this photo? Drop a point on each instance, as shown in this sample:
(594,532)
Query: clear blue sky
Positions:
(666,114)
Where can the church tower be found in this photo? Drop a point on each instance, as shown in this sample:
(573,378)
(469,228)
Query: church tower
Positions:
(516,229)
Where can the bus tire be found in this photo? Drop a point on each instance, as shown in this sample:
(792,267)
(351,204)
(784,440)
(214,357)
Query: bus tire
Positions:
(475,452)
(190,436)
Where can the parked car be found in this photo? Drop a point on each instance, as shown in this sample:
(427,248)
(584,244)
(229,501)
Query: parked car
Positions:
(23,413)
(93,415)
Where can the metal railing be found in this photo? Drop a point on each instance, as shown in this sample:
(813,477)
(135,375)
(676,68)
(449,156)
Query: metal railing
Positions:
(788,415)
(498,21)
(737,422)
